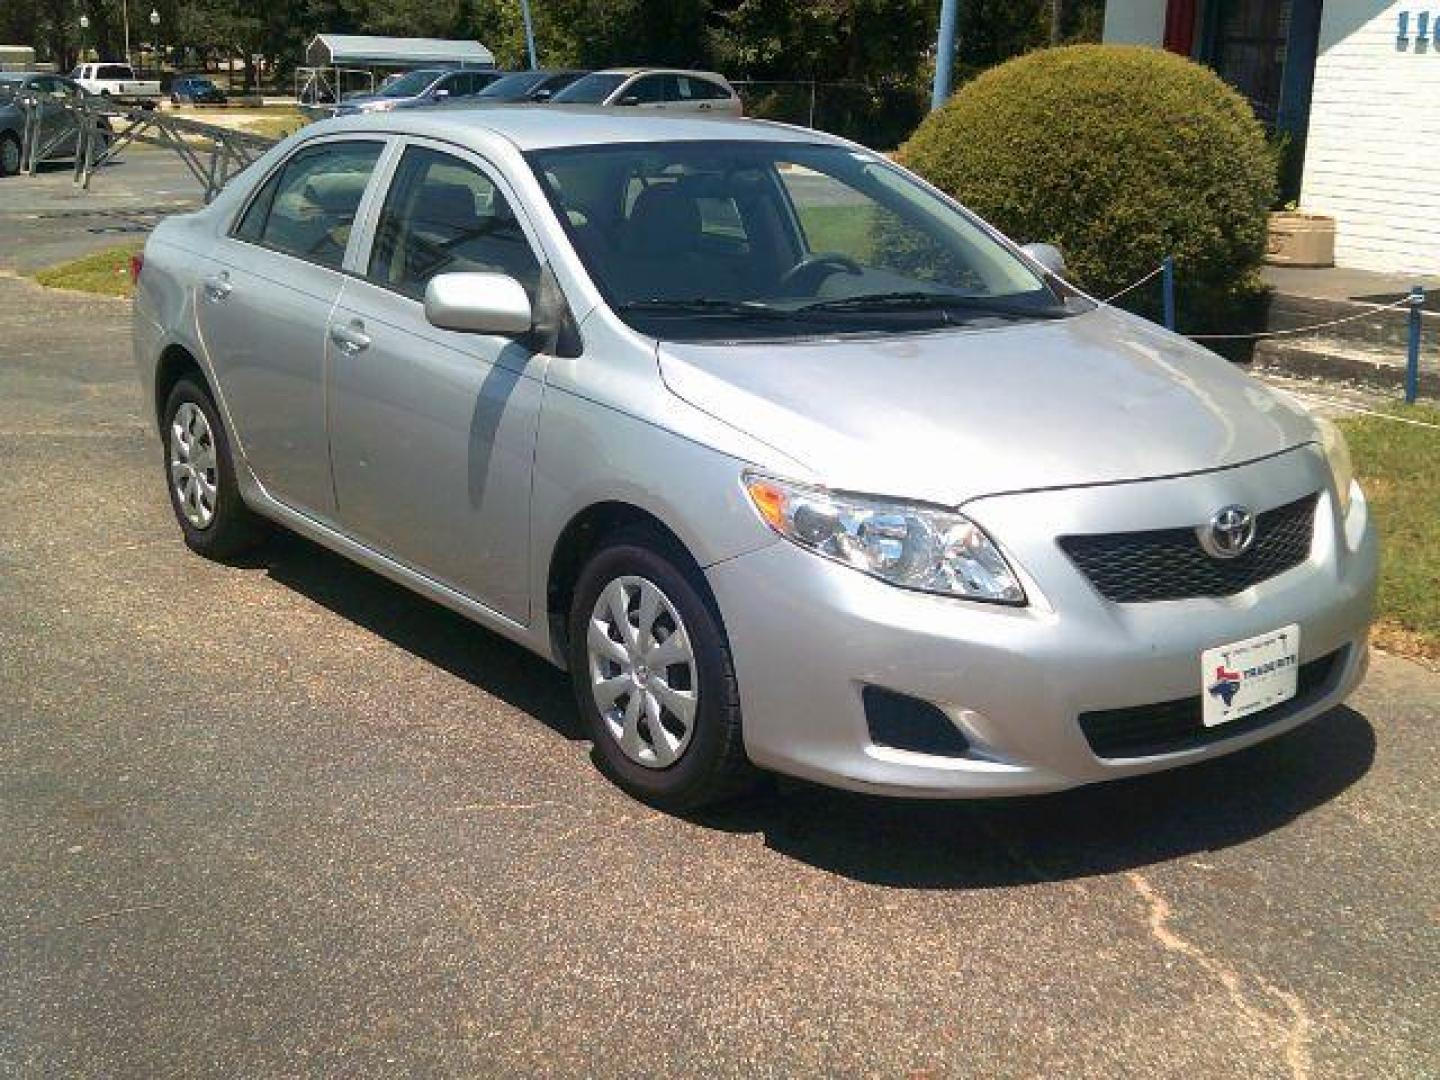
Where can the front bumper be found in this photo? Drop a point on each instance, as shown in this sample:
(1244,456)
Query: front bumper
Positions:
(808,635)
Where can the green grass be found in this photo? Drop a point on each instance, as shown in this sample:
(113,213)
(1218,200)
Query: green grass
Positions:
(1399,468)
(846,229)
(106,272)
(277,127)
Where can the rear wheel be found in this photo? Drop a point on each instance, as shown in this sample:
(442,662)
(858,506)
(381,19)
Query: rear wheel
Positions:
(654,678)
(200,475)
(9,154)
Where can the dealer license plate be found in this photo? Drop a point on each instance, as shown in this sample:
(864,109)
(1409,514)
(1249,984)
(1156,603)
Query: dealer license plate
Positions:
(1246,676)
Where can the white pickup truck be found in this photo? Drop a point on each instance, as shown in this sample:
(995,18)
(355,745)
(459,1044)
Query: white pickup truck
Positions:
(118,82)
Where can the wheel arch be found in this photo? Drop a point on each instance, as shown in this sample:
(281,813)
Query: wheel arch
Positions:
(175,363)
(587,532)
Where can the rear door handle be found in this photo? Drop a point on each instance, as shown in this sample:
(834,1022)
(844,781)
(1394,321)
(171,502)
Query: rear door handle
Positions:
(218,288)
(350,338)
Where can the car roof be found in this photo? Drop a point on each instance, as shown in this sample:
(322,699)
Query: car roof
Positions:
(660,71)
(544,127)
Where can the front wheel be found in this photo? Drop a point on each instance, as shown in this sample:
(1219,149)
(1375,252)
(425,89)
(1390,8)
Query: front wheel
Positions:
(654,678)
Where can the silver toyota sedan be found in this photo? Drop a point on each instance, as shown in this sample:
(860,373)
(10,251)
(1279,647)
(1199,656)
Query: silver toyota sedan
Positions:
(792,462)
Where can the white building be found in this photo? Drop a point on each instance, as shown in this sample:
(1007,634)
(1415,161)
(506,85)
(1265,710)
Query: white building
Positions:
(1355,82)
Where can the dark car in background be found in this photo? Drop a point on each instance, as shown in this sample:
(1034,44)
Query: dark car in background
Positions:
(196,90)
(419,88)
(522,86)
(55,97)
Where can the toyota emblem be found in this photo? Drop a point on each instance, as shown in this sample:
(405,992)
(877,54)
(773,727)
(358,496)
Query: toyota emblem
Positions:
(1230,533)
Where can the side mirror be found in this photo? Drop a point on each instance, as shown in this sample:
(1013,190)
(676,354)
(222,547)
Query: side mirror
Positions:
(441,93)
(1048,256)
(629,99)
(478,304)
(542,95)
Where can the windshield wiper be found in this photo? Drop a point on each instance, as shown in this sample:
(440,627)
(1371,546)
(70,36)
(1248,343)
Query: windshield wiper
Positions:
(920,301)
(748,309)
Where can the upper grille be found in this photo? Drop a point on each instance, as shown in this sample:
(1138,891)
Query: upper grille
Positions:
(1170,564)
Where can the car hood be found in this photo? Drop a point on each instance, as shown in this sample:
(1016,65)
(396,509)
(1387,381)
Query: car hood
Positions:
(949,416)
(370,99)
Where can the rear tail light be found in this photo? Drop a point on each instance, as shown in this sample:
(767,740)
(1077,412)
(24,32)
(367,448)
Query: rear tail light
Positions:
(137,263)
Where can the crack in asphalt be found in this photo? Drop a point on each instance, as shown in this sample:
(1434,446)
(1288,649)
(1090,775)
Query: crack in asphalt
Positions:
(1294,1035)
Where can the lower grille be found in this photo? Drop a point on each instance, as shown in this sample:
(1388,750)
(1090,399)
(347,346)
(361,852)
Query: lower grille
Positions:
(1170,564)
(1171,726)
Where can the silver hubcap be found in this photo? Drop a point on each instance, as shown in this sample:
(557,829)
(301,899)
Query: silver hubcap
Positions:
(642,671)
(192,465)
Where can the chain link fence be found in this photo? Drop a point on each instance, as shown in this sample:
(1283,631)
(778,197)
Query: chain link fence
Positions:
(877,116)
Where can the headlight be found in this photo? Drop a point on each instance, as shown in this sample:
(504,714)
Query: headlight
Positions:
(1337,453)
(914,547)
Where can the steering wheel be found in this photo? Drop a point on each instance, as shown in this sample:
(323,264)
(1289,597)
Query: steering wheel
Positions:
(818,265)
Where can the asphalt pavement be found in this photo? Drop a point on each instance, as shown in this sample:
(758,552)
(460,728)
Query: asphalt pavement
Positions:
(284,818)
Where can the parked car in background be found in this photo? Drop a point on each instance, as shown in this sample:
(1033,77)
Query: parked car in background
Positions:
(55,97)
(654,88)
(732,418)
(419,88)
(521,86)
(118,82)
(196,90)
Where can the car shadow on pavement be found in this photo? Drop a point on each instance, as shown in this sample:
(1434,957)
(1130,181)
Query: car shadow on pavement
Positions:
(1100,829)
(981,843)
(433,633)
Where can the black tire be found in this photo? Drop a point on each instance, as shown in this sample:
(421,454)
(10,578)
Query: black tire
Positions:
(10,151)
(234,528)
(712,767)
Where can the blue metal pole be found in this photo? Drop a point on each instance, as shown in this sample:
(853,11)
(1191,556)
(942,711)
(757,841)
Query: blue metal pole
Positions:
(944,53)
(1412,352)
(529,33)
(1167,289)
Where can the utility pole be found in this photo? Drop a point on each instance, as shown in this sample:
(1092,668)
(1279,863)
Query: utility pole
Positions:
(529,33)
(1057,18)
(125,18)
(944,53)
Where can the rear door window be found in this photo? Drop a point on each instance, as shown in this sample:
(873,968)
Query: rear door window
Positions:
(705,90)
(308,207)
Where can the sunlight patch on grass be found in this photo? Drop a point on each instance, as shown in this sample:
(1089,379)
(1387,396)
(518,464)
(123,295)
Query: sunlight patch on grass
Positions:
(1399,468)
(105,272)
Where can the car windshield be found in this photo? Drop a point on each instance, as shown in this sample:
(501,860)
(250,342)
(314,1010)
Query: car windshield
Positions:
(718,240)
(589,89)
(515,84)
(408,85)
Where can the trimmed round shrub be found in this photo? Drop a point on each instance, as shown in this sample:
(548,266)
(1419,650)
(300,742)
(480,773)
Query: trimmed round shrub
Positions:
(1119,155)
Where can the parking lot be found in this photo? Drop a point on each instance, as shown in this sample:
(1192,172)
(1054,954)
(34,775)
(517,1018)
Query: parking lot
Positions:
(285,818)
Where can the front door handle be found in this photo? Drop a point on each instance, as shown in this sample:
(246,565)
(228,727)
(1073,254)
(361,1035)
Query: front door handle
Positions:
(218,288)
(350,338)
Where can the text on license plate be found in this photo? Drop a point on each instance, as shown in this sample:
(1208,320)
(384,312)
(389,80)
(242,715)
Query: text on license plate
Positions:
(1246,676)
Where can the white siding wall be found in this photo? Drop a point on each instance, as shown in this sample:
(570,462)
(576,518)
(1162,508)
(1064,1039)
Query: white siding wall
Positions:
(1373,154)
(1135,22)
